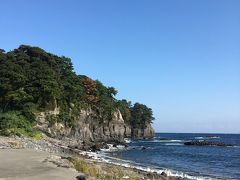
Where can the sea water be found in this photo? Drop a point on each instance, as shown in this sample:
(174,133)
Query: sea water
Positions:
(167,152)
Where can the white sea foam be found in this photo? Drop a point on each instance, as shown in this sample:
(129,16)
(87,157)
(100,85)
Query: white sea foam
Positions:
(102,157)
(169,172)
(112,149)
(127,140)
(199,137)
(176,140)
(159,141)
(173,144)
(171,141)
(207,137)
(213,137)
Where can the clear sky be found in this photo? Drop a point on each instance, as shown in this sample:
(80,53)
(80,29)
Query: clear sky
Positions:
(180,57)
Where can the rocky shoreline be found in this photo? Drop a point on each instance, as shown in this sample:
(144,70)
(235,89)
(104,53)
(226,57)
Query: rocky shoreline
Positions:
(63,154)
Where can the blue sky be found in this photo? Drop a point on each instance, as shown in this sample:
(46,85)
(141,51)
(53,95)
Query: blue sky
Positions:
(181,58)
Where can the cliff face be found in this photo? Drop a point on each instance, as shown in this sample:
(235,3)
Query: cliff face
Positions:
(88,128)
(147,132)
(33,80)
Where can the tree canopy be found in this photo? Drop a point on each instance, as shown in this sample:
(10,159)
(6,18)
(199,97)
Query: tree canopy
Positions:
(33,80)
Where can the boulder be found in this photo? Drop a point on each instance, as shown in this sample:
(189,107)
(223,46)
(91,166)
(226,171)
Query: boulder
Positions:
(164,174)
(81,177)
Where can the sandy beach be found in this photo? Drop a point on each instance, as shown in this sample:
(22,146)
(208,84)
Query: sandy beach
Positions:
(30,164)
(25,158)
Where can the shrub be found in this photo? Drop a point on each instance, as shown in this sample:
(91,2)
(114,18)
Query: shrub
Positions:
(14,123)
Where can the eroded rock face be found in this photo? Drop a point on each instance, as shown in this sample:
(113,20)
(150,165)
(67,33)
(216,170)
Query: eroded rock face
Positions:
(88,129)
(128,131)
(148,132)
(138,133)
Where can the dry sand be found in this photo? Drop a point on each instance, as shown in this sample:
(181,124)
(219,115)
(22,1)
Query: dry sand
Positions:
(27,164)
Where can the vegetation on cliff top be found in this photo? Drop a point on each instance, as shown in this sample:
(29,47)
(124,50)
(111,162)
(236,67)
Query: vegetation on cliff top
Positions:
(33,80)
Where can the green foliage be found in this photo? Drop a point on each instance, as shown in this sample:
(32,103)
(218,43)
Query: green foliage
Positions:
(14,123)
(141,115)
(137,116)
(28,110)
(106,103)
(32,80)
(125,108)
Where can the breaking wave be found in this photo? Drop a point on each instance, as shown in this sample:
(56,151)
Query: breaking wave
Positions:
(102,157)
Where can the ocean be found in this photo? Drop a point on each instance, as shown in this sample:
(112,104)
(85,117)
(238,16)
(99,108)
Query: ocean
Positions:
(167,152)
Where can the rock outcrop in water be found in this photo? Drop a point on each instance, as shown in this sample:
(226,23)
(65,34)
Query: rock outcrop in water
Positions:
(206,143)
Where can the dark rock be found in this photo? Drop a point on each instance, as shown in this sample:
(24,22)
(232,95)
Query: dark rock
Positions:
(105,146)
(164,174)
(206,143)
(164,139)
(86,147)
(96,147)
(81,177)
(143,148)
(115,145)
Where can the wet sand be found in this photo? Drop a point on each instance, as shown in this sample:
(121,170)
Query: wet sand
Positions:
(26,164)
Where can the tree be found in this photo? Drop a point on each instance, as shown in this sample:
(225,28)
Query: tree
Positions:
(141,115)
(125,108)
(33,80)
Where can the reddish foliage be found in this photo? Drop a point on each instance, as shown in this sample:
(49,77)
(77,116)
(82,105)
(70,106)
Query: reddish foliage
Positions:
(91,89)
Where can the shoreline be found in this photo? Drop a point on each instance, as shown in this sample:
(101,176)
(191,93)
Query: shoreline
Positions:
(55,153)
(101,158)
(160,172)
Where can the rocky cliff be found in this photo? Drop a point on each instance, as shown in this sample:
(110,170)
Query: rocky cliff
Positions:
(89,128)
(40,89)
